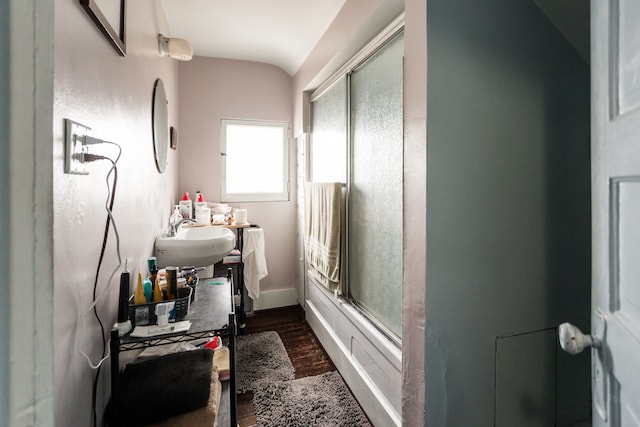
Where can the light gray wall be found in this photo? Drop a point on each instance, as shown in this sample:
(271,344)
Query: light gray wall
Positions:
(113,96)
(508,223)
(4,207)
(212,89)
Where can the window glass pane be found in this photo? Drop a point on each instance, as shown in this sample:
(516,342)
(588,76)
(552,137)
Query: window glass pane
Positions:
(329,135)
(254,148)
(261,149)
(375,188)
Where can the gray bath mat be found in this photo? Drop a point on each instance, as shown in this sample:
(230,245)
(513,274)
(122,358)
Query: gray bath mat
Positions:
(261,359)
(319,401)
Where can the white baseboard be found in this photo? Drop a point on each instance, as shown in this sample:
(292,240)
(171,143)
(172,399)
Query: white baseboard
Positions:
(276,298)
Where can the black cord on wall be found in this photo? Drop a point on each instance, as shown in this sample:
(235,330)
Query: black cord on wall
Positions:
(94,389)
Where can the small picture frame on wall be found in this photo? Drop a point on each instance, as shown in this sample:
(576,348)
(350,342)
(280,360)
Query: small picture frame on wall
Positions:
(173,132)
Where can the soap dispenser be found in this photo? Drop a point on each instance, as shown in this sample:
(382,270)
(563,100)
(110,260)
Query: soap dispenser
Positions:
(200,203)
(203,213)
(176,215)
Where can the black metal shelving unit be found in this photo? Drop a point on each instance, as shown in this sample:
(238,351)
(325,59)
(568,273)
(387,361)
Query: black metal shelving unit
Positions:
(212,311)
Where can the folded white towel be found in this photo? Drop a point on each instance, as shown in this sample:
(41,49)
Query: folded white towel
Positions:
(255,263)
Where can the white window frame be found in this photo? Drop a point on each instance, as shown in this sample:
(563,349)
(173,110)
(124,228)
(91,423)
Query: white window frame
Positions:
(254,197)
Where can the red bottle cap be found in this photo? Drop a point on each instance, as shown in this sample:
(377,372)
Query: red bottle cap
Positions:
(200,198)
(185,196)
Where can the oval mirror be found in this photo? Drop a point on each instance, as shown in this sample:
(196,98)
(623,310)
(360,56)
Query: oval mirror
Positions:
(160,120)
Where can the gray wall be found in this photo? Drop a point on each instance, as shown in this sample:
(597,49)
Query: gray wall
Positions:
(508,214)
(113,96)
(4,207)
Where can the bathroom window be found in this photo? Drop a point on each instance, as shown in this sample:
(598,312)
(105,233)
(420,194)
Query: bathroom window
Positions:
(255,161)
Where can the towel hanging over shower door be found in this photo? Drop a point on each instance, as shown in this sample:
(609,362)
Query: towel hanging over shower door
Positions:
(322,231)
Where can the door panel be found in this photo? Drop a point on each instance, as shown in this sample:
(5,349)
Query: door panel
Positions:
(626,53)
(616,211)
(625,294)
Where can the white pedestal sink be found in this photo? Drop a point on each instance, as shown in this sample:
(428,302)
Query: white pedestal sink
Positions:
(197,245)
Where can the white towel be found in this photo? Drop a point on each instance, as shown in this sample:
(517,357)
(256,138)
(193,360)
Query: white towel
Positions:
(322,233)
(255,264)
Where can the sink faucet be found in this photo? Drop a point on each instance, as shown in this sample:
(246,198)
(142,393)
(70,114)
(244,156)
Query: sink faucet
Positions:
(173,227)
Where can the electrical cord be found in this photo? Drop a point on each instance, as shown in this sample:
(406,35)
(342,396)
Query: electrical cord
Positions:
(110,219)
(87,157)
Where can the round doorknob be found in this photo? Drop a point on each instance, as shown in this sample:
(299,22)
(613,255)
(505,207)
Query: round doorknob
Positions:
(573,341)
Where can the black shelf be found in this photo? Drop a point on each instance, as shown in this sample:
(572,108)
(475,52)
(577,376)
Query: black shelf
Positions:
(212,311)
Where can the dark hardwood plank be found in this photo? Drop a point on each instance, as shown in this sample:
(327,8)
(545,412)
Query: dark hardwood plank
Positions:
(306,354)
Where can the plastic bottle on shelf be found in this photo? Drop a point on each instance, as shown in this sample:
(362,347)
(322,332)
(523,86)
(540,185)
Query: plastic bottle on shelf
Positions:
(196,198)
(148,290)
(139,297)
(157,292)
(201,203)
(203,213)
(172,282)
(185,206)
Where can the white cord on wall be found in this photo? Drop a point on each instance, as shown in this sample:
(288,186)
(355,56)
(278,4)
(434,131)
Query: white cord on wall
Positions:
(113,273)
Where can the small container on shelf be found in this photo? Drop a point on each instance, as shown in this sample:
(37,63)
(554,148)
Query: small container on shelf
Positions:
(145,314)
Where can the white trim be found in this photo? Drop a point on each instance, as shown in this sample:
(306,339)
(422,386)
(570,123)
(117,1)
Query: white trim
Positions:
(363,54)
(254,197)
(29,244)
(338,326)
(275,299)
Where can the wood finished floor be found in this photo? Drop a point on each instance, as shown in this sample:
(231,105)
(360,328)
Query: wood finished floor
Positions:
(306,354)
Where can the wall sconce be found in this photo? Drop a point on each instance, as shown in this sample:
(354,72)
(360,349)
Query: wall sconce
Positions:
(179,49)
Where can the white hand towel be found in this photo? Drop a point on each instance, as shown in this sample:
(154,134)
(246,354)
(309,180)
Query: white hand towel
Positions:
(255,264)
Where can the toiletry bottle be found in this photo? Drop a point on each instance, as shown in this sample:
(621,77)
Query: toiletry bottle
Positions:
(185,206)
(139,297)
(203,213)
(196,199)
(172,282)
(200,203)
(146,286)
(152,264)
(157,292)
(123,301)
(153,274)
(175,217)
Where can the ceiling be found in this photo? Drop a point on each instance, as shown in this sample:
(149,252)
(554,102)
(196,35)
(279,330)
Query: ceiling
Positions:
(571,17)
(278,32)
(284,32)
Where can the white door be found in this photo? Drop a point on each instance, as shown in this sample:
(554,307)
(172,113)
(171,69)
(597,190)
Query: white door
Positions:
(616,211)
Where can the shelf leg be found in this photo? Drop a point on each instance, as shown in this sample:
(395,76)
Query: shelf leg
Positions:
(232,369)
(115,378)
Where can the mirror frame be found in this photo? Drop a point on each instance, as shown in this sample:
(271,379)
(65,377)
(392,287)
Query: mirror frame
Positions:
(118,40)
(160,126)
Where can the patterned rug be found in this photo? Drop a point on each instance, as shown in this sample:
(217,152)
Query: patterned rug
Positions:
(261,359)
(319,401)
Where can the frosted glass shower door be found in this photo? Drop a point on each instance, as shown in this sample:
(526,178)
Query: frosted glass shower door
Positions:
(375,186)
(329,134)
